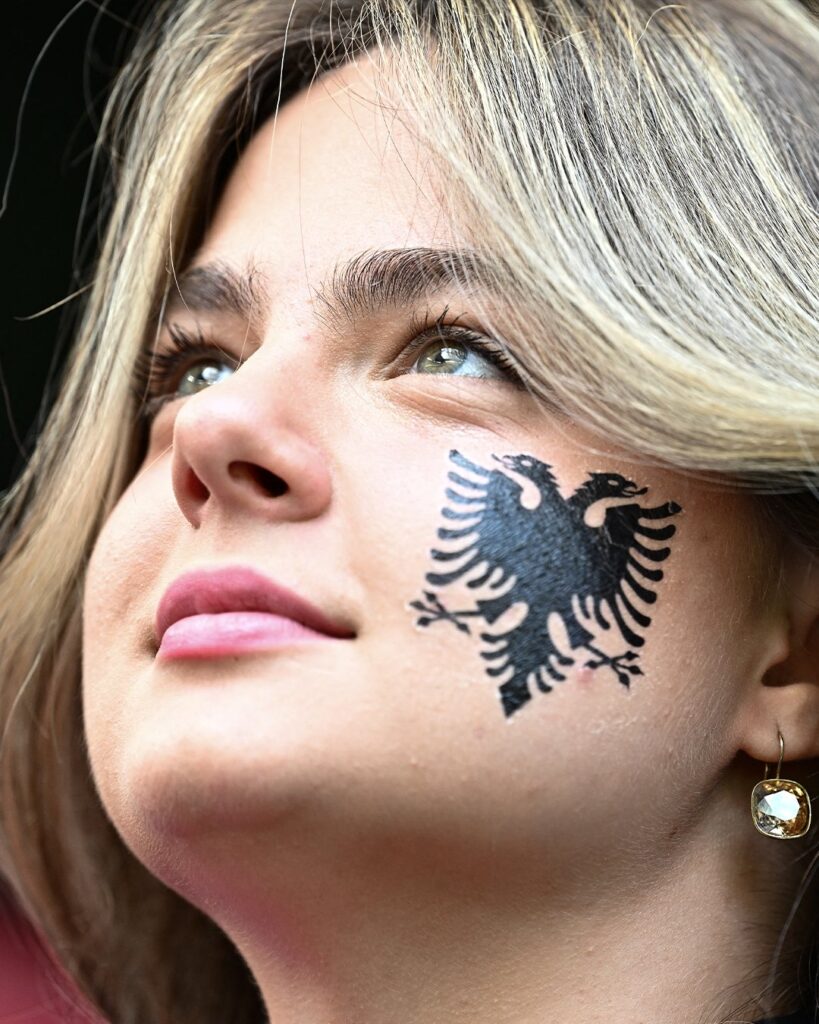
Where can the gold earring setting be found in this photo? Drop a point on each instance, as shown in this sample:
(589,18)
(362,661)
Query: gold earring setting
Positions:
(780,808)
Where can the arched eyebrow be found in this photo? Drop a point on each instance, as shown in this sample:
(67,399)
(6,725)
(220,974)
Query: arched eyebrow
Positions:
(361,286)
(217,288)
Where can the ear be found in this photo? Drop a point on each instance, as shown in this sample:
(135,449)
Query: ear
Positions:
(786,695)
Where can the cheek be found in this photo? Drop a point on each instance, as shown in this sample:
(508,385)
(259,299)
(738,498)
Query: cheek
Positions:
(118,596)
(129,553)
(391,512)
(539,585)
(708,643)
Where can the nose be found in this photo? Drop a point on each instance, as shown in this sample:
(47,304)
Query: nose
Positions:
(240,447)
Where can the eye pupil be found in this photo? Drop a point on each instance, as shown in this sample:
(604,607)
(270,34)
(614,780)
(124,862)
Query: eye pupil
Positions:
(199,377)
(444,354)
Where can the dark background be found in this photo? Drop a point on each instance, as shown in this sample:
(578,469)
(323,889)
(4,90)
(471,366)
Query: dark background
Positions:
(67,52)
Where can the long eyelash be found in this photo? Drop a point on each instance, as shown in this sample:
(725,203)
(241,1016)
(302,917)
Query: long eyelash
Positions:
(453,332)
(154,371)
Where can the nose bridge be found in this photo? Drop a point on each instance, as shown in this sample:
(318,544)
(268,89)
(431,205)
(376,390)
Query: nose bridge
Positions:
(252,443)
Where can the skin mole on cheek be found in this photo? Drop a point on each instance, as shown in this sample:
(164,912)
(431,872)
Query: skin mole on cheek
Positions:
(584,675)
(560,560)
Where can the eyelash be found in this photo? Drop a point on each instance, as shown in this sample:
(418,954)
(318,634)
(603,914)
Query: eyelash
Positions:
(155,371)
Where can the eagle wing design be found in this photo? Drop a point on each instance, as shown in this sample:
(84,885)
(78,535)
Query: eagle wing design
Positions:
(492,513)
(621,574)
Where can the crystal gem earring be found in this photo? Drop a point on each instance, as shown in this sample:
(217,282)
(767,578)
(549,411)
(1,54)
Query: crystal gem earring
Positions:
(780,807)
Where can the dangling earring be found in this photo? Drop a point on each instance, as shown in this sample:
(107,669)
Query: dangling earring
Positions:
(780,807)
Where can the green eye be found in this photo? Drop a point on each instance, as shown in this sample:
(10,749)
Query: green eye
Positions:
(450,348)
(158,379)
(446,358)
(196,379)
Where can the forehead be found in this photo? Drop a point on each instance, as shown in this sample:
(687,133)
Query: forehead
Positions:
(336,172)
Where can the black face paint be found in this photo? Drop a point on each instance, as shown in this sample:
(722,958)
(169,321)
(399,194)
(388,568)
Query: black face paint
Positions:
(558,561)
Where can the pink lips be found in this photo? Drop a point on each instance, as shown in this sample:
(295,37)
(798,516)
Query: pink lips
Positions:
(226,611)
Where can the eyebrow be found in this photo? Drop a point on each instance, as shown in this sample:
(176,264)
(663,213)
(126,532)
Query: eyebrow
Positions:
(362,285)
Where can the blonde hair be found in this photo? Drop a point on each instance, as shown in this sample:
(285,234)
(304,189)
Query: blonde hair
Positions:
(644,178)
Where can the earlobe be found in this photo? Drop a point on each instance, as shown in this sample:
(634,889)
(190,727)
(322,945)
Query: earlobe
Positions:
(786,698)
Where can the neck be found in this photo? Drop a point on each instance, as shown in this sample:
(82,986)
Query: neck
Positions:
(338,927)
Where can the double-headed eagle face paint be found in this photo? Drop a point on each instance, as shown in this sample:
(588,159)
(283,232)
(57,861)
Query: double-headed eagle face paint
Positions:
(594,577)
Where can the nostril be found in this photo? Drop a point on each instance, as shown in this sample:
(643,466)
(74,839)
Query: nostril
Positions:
(197,488)
(268,482)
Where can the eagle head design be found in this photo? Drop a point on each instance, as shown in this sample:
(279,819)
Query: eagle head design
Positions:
(607,485)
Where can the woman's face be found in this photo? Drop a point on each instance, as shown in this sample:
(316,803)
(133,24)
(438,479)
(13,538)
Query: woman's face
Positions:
(491,723)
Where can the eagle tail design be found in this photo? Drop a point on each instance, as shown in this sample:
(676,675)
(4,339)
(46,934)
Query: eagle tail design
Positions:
(515,692)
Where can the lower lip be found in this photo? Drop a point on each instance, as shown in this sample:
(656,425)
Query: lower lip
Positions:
(226,633)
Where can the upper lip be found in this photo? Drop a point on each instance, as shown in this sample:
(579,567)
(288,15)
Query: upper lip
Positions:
(237,588)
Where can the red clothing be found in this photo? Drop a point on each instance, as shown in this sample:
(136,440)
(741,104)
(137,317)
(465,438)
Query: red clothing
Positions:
(30,992)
